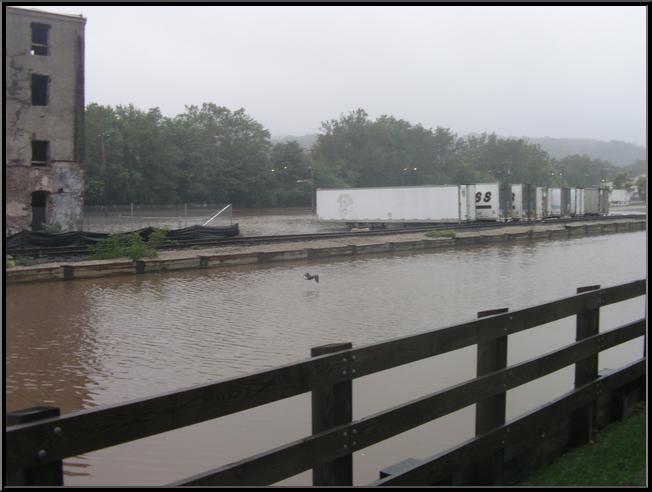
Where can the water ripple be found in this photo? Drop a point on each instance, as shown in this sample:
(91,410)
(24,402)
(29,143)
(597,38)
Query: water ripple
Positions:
(96,342)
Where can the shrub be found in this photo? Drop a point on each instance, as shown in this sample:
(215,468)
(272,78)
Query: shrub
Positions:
(158,238)
(112,247)
(136,248)
(118,245)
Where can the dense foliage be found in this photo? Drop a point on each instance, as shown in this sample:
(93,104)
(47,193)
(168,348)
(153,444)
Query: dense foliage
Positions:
(210,154)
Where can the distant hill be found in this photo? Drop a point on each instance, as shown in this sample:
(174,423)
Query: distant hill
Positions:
(620,154)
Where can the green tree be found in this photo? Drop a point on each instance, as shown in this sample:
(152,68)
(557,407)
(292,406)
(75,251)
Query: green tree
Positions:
(210,154)
(289,163)
(127,156)
(487,157)
(230,154)
(641,186)
(582,171)
(622,181)
(206,154)
(385,152)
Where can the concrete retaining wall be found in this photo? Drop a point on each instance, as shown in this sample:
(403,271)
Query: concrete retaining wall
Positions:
(97,269)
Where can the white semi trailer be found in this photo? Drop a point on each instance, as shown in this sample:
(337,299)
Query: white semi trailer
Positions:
(560,203)
(620,196)
(397,205)
(547,201)
(576,202)
(596,201)
(524,203)
(493,201)
(541,201)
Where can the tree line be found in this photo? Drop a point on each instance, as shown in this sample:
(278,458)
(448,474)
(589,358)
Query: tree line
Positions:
(210,154)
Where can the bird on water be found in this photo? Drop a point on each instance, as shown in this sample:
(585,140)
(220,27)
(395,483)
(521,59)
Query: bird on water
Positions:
(307,276)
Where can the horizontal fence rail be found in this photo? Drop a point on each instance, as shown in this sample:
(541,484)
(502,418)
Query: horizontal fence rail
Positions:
(386,424)
(49,440)
(526,427)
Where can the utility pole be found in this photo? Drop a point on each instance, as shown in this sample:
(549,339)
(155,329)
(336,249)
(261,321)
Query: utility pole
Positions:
(104,173)
(312,189)
(311,182)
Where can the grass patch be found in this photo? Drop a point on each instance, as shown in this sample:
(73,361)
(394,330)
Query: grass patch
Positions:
(616,458)
(437,233)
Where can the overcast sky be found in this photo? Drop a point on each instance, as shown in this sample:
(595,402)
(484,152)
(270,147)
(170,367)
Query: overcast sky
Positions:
(557,71)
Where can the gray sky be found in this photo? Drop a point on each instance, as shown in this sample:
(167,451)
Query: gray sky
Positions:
(557,71)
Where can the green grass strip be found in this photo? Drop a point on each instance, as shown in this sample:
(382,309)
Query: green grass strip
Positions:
(616,458)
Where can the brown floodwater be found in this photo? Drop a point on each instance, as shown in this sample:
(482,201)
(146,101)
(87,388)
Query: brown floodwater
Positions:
(95,342)
(251,222)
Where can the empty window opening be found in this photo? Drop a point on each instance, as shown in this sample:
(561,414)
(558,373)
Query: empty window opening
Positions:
(39,39)
(40,152)
(40,90)
(39,210)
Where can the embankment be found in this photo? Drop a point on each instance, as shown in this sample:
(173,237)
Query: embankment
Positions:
(245,255)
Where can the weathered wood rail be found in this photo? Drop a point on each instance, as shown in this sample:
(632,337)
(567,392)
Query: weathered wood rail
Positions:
(36,440)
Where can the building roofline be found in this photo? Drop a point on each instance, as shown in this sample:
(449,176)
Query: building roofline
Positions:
(43,13)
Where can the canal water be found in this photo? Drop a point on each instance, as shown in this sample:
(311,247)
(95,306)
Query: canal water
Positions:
(95,342)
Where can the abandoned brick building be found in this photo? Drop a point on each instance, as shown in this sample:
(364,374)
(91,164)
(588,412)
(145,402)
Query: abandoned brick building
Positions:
(44,120)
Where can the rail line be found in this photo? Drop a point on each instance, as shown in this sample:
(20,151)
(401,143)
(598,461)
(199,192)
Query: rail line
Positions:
(71,251)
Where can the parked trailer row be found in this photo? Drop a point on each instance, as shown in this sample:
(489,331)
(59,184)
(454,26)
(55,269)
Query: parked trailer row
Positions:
(457,203)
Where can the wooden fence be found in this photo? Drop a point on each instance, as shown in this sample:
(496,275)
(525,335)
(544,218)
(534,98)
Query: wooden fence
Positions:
(38,439)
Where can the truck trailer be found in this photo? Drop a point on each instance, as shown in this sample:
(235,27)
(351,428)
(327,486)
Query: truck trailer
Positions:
(397,205)
(576,202)
(524,203)
(596,201)
(559,202)
(493,201)
(541,201)
(620,197)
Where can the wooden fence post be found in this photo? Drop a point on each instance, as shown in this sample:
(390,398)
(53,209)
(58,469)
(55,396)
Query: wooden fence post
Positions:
(332,406)
(47,474)
(582,420)
(490,413)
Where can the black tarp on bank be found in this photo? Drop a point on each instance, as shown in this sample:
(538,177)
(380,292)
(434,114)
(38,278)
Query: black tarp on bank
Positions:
(29,239)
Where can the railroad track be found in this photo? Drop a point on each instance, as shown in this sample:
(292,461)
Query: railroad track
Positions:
(71,251)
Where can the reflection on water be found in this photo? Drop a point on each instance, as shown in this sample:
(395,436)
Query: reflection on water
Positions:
(96,342)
